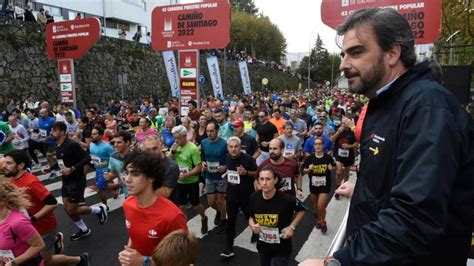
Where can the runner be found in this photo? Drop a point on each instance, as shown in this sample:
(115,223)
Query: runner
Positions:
(122,140)
(293,144)
(152,143)
(188,158)
(20,243)
(20,142)
(71,159)
(317,132)
(248,144)
(179,248)
(344,151)
(241,172)
(274,215)
(41,210)
(149,217)
(318,167)
(6,138)
(287,168)
(100,152)
(278,121)
(213,152)
(266,131)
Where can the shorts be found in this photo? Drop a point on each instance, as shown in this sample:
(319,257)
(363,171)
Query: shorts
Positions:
(48,239)
(51,150)
(346,161)
(213,186)
(188,193)
(320,189)
(74,190)
(100,181)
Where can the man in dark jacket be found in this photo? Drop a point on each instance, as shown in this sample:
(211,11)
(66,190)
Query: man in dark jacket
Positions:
(413,202)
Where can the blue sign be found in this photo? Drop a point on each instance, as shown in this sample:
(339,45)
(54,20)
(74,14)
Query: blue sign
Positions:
(202,79)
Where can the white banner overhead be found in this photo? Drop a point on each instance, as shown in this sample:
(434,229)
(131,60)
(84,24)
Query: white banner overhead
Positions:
(172,72)
(214,73)
(244,74)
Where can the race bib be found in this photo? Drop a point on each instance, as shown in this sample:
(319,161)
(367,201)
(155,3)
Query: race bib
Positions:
(61,164)
(183,169)
(212,167)
(6,255)
(289,153)
(233,177)
(95,160)
(343,152)
(286,183)
(318,181)
(269,235)
(336,121)
(43,133)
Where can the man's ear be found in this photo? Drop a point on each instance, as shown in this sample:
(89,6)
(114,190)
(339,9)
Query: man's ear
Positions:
(394,54)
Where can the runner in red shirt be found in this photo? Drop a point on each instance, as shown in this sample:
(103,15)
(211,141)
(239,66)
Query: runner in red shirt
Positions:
(149,217)
(41,210)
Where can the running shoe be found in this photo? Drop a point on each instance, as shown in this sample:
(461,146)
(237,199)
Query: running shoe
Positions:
(81,234)
(227,253)
(85,259)
(103,216)
(59,243)
(324,227)
(318,224)
(204,226)
(116,192)
(93,186)
(217,219)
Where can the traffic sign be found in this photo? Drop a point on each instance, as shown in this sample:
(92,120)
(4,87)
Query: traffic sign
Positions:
(202,79)
(71,39)
(204,25)
(424,16)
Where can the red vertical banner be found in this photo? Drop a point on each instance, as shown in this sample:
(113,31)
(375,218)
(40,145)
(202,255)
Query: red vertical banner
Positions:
(66,81)
(188,79)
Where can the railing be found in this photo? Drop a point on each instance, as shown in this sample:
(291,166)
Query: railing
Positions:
(339,240)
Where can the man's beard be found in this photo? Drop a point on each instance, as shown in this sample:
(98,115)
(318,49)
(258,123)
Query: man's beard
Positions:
(367,81)
(274,156)
(11,173)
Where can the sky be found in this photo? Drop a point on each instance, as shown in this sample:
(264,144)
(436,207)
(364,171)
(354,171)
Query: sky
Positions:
(299,20)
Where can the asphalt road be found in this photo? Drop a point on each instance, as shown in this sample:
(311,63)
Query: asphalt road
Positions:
(108,240)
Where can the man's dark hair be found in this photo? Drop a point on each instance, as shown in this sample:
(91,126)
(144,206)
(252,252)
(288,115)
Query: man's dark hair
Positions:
(318,124)
(84,119)
(100,130)
(125,135)
(193,103)
(61,126)
(20,156)
(390,28)
(147,163)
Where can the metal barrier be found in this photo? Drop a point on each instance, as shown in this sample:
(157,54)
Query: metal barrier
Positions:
(339,240)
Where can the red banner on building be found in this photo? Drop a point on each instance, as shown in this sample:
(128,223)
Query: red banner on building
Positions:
(203,25)
(71,39)
(424,16)
(188,76)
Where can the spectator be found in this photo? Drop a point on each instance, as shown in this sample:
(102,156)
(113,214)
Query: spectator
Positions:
(19,11)
(49,18)
(137,36)
(29,13)
(122,33)
(41,16)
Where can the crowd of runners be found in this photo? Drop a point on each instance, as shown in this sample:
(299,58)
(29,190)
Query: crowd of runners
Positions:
(245,153)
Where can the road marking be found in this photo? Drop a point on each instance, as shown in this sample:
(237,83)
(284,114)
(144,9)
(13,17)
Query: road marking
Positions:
(194,225)
(57,185)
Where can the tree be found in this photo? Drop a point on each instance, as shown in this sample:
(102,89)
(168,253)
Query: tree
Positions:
(256,35)
(320,63)
(456,15)
(247,6)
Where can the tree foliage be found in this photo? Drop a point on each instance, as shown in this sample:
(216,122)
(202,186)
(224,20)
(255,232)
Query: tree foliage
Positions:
(322,64)
(456,15)
(247,6)
(257,36)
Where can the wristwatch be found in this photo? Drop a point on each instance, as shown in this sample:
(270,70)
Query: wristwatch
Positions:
(146,261)
(33,219)
(331,262)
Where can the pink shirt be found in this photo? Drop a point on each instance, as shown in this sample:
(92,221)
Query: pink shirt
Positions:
(140,135)
(14,232)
